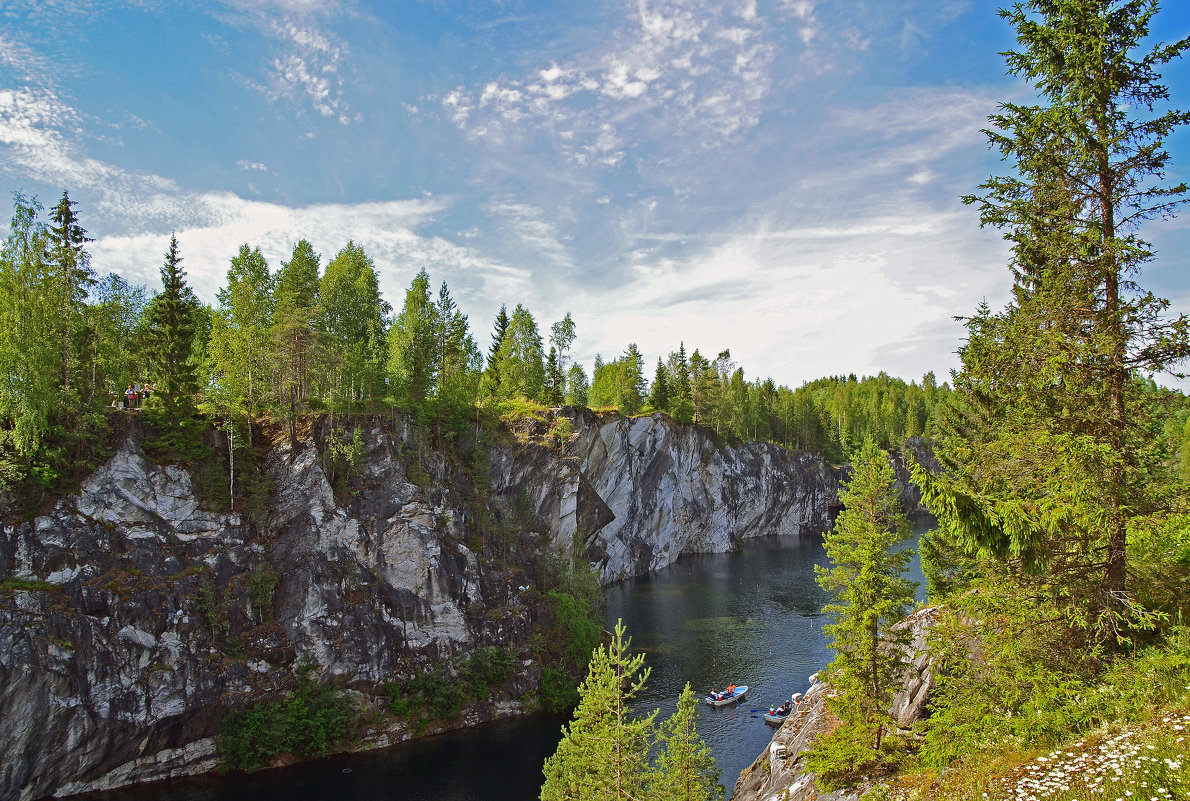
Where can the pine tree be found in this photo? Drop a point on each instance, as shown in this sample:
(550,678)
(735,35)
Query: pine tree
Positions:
(604,749)
(870,595)
(686,770)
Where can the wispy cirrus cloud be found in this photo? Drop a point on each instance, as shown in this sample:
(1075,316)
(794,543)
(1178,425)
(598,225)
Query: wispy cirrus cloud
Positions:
(690,70)
(308,60)
(41,141)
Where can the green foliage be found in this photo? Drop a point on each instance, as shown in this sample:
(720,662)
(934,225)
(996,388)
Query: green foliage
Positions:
(1013,677)
(870,596)
(342,458)
(439,693)
(210,603)
(1049,438)
(608,752)
(262,583)
(9,586)
(621,383)
(839,760)
(604,749)
(686,770)
(1159,551)
(311,721)
(486,669)
(521,358)
(171,323)
(351,330)
(294,338)
(443,690)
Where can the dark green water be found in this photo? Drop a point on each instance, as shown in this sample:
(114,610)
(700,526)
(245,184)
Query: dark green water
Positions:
(750,617)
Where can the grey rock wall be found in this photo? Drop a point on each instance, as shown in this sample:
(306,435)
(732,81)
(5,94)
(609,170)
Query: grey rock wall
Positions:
(637,493)
(111,672)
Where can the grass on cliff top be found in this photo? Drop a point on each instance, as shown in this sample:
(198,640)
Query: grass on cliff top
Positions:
(1137,762)
(1130,743)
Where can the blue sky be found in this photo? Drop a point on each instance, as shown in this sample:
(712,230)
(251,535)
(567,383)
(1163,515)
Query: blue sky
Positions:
(777,177)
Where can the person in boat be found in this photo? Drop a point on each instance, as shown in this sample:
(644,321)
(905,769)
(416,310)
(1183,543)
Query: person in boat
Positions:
(730,690)
(772,709)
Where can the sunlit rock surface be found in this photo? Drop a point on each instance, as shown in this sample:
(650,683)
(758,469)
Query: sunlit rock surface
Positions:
(110,672)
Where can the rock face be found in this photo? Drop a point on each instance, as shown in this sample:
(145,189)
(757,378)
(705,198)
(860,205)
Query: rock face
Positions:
(131,617)
(639,492)
(779,774)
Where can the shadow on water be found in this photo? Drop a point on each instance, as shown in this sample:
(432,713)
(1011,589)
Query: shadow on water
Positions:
(751,617)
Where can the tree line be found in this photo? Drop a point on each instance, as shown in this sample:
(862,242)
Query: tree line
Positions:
(310,336)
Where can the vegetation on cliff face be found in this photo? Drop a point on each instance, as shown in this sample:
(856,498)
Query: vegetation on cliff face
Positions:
(280,345)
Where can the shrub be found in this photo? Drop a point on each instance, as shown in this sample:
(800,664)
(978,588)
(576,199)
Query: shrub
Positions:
(311,721)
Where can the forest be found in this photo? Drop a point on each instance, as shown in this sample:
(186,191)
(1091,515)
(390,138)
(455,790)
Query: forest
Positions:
(306,337)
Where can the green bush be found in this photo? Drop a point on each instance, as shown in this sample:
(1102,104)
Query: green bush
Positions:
(439,692)
(559,690)
(488,667)
(311,721)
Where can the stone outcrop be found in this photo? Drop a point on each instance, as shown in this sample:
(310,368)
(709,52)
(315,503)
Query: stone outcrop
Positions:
(637,493)
(129,623)
(780,774)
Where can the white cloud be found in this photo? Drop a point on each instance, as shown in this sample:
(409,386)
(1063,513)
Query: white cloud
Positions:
(527,224)
(870,295)
(252,166)
(685,71)
(308,60)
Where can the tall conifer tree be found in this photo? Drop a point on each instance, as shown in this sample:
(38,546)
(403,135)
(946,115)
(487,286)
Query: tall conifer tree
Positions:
(172,319)
(1045,441)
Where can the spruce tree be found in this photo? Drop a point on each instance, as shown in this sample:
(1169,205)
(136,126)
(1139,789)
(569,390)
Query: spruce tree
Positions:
(659,393)
(172,319)
(414,347)
(70,280)
(491,373)
(870,595)
(294,339)
(1045,439)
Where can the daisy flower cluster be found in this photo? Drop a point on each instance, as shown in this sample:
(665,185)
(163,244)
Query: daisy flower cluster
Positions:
(1151,764)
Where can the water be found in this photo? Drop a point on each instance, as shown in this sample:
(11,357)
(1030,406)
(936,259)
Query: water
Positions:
(751,617)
